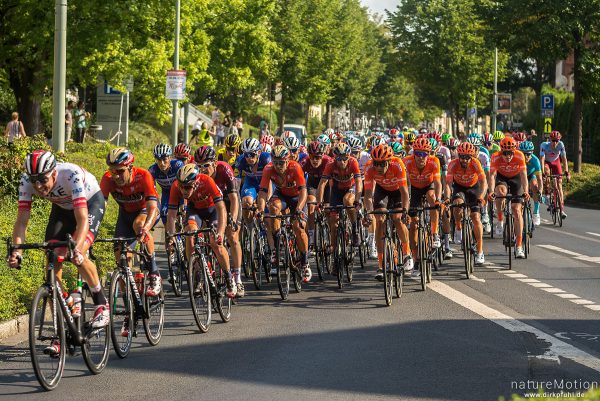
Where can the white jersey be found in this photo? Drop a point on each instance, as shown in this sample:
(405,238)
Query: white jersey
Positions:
(74,186)
(363,160)
(442,150)
(484,159)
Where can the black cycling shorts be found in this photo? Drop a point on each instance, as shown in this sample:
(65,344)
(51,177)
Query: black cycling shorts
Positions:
(62,221)
(514,185)
(469,195)
(416,195)
(383,199)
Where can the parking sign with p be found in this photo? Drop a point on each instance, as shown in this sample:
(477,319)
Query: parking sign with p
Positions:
(547,106)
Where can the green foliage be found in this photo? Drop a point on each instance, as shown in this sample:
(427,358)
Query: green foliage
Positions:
(315,126)
(12,159)
(583,186)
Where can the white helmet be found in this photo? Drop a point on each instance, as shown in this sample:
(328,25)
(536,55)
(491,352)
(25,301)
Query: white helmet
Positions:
(266,148)
(251,145)
(288,134)
(291,142)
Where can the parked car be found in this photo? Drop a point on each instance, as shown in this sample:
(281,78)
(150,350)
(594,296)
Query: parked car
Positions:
(299,130)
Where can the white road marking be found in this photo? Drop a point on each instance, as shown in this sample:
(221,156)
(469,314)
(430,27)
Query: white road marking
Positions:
(540,285)
(553,290)
(561,250)
(545,221)
(590,233)
(477,279)
(593,259)
(556,349)
(568,296)
(528,280)
(516,275)
(582,302)
(593,307)
(570,234)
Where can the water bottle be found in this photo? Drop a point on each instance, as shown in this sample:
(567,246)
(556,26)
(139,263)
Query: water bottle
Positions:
(68,299)
(76,305)
(139,281)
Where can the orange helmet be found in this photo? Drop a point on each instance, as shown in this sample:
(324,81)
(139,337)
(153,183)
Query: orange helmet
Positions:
(466,148)
(508,143)
(555,135)
(422,145)
(381,153)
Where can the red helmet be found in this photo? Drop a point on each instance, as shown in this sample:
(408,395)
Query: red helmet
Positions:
(519,136)
(466,148)
(393,132)
(508,143)
(555,135)
(316,148)
(267,139)
(381,153)
(422,145)
(182,151)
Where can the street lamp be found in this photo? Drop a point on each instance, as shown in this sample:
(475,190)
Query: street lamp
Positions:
(175,120)
(60,75)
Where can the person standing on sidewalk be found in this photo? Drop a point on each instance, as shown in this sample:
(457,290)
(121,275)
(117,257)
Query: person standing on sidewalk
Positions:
(79,117)
(14,129)
(69,120)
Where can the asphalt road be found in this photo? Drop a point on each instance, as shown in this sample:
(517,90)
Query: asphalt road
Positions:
(493,335)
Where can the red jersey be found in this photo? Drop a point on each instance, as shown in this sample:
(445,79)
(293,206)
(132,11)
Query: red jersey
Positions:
(206,194)
(133,196)
(509,170)
(288,184)
(422,178)
(343,177)
(224,178)
(392,180)
(465,177)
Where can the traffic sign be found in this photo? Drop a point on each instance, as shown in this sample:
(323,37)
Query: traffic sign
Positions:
(547,106)
(547,125)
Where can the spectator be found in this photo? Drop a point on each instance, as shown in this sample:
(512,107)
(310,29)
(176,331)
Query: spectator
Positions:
(531,135)
(216,116)
(79,117)
(227,122)
(14,129)
(196,130)
(264,130)
(220,138)
(239,124)
(205,137)
(69,120)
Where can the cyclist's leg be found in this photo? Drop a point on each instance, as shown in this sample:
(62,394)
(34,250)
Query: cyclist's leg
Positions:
(138,223)
(500,190)
(310,227)
(534,188)
(276,205)
(434,214)
(516,188)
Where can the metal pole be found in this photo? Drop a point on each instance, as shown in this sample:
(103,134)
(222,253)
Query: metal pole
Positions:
(60,75)
(495,105)
(126,141)
(176,67)
(186,127)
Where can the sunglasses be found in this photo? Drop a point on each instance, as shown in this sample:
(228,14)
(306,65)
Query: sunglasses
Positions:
(527,154)
(250,155)
(555,140)
(279,162)
(421,154)
(205,165)
(41,178)
(162,159)
(464,157)
(316,157)
(188,187)
(380,164)
(507,153)
(341,158)
(120,171)
(230,150)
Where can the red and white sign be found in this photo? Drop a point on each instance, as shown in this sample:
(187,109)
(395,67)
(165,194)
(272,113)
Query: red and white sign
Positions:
(175,88)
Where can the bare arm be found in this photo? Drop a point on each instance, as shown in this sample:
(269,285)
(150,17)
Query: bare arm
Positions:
(83,226)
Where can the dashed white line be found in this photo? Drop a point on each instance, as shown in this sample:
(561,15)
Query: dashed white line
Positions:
(591,233)
(528,280)
(593,259)
(553,290)
(516,275)
(582,302)
(568,296)
(593,307)
(561,250)
(540,285)
(570,234)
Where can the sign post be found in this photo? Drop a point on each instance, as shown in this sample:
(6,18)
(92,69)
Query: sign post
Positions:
(547,106)
(547,125)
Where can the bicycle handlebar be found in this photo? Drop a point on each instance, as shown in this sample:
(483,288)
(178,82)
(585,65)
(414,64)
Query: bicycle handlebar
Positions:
(388,212)
(70,244)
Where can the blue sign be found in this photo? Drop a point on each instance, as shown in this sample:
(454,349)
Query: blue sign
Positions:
(547,105)
(109,90)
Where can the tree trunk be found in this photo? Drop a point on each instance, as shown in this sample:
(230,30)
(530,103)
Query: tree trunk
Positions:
(281,111)
(306,114)
(29,106)
(576,128)
(457,119)
(328,115)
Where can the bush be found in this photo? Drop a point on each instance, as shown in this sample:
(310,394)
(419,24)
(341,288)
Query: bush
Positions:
(12,159)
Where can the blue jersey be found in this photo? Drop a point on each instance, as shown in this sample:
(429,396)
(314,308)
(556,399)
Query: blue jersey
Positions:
(247,171)
(533,166)
(484,150)
(302,156)
(165,180)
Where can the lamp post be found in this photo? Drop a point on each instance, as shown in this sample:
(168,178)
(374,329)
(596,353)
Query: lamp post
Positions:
(175,119)
(495,105)
(60,75)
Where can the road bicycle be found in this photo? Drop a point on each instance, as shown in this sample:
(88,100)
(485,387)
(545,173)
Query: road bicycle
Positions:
(469,243)
(128,300)
(322,243)
(424,248)
(255,248)
(52,325)
(554,205)
(176,258)
(508,235)
(343,253)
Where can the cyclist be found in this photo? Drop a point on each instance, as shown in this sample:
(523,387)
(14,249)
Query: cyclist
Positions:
(184,153)
(345,185)
(293,145)
(484,159)
(534,176)
(452,145)
(409,139)
(222,174)
(551,154)
(204,204)
(249,166)
(491,146)
(497,137)
(134,191)
(509,175)
(386,189)
(444,159)
(423,171)
(467,183)
(398,150)
(229,153)
(290,193)
(164,172)
(313,167)
(77,209)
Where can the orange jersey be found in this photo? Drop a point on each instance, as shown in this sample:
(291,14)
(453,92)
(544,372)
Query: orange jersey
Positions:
(509,170)
(289,184)
(133,196)
(422,178)
(465,177)
(206,194)
(394,159)
(392,180)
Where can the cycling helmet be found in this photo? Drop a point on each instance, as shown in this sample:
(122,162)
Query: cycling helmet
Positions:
(266,147)
(555,135)
(280,152)
(498,136)
(292,143)
(188,174)
(453,143)
(423,131)
(377,140)
(526,146)
(182,151)
(250,145)
(40,162)
(393,132)
(302,149)
(316,148)
(205,154)
(232,141)
(466,148)
(398,149)
(475,139)
(422,144)
(354,143)
(341,149)
(119,157)
(508,143)
(288,134)
(268,139)
(324,139)
(410,137)
(519,136)
(435,135)
(162,150)
(278,141)
(434,143)
(446,138)
(487,139)
(381,153)
(336,136)
(328,131)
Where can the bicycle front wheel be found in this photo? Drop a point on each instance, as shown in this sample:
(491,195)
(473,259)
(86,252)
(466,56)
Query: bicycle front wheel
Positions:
(154,323)
(422,257)
(174,265)
(466,245)
(96,341)
(200,298)
(319,252)
(283,268)
(221,300)
(388,270)
(121,314)
(46,328)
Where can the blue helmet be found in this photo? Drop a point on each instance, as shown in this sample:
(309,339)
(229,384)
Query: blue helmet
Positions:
(526,146)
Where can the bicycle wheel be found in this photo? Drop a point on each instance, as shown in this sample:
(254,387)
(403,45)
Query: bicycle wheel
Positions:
(509,235)
(283,268)
(362,247)
(491,216)
(293,257)
(252,256)
(319,252)
(422,256)
(349,253)
(46,327)
(399,273)
(559,210)
(247,244)
(97,341)
(200,298)
(174,270)
(553,207)
(222,302)
(327,247)
(340,256)
(388,270)
(121,314)
(154,323)
(467,247)
(526,226)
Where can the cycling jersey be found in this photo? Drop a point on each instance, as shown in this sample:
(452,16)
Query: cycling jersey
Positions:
(363,159)
(302,156)
(509,169)
(484,159)
(222,157)
(392,180)
(447,156)
(73,188)
(289,184)
(422,178)
(133,196)
(252,172)
(551,154)
(343,177)
(494,148)
(206,194)
(484,150)
(465,177)
(165,179)
(224,178)
(313,174)
(533,166)
(443,162)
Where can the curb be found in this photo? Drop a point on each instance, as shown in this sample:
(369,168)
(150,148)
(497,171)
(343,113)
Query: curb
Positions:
(15,326)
